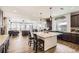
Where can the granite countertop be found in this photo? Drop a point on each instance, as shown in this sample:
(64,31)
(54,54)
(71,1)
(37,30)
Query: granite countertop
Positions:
(47,34)
(74,32)
(3,38)
(71,32)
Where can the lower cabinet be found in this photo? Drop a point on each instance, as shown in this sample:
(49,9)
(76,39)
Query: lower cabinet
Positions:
(73,38)
(70,37)
(77,39)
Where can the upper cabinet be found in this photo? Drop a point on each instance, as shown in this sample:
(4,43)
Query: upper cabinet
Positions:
(75,20)
(49,23)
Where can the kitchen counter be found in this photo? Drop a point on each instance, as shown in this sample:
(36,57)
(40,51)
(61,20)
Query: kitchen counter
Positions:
(3,38)
(4,42)
(74,32)
(50,39)
(46,34)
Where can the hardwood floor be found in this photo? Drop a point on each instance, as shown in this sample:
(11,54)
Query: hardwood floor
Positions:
(64,47)
(19,44)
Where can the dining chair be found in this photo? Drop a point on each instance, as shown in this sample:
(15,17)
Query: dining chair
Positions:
(30,39)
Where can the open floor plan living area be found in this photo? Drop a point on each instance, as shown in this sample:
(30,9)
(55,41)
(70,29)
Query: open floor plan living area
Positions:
(39,29)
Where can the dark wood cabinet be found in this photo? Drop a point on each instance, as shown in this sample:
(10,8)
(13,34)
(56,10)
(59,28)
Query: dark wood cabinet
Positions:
(77,38)
(66,37)
(72,21)
(78,20)
(70,37)
(75,20)
(73,38)
(49,23)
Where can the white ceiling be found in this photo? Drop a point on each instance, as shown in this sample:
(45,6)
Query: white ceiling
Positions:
(33,12)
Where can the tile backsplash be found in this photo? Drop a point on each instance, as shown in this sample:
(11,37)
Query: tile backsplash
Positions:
(76,29)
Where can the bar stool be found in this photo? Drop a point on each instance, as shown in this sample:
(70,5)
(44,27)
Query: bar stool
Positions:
(30,39)
(38,44)
(41,44)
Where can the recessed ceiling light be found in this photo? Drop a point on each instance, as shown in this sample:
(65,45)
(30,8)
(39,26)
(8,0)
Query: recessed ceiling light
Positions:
(50,7)
(62,8)
(14,10)
(40,13)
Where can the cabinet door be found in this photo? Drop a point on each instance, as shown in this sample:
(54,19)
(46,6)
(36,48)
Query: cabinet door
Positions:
(73,21)
(73,38)
(78,21)
(77,38)
(66,36)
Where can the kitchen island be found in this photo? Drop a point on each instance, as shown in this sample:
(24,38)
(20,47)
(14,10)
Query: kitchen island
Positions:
(50,39)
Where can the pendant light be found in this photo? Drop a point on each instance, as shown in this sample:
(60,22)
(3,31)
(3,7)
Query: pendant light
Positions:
(40,21)
(50,13)
(40,16)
